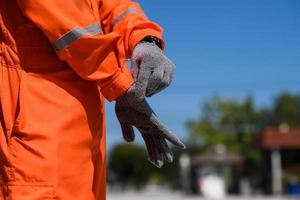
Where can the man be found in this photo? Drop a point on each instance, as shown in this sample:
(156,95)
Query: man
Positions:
(59,61)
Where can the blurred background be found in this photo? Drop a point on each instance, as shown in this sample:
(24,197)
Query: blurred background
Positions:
(234,100)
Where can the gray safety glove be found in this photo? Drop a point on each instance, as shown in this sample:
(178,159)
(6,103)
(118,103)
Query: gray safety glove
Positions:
(156,69)
(133,110)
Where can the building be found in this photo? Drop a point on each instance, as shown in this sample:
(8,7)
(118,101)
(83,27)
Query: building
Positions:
(280,149)
(217,163)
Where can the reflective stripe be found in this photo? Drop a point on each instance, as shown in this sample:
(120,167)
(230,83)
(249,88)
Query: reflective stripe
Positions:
(123,15)
(75,34)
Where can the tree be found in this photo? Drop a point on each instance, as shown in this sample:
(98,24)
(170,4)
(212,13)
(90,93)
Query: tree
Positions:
(286,109)
(235,124)
(223,121)
(129,163)
(229,122)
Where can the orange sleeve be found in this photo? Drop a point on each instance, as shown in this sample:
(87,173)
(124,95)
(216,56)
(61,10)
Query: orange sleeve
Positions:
(73,28)
(127,18)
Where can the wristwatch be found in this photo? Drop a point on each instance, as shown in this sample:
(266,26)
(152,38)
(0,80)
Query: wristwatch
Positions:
(153,39)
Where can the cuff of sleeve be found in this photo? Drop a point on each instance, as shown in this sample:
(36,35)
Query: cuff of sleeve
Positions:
(138,35)
(119,85)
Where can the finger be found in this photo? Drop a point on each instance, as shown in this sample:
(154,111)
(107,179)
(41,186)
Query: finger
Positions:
(167,151)
(154,161)
(168,70)
(166,81)
(164,153)
(154,156)
(158,150)
(164,131)
(151,153)
(142,77)
(135,67)
(127,131)
(155,79)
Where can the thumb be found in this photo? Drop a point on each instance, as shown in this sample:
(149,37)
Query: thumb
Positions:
(127,131)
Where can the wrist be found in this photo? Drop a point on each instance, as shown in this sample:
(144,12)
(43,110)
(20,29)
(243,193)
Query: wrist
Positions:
(154,40)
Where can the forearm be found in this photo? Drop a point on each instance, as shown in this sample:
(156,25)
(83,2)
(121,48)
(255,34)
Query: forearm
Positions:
(127,19)
(73,28)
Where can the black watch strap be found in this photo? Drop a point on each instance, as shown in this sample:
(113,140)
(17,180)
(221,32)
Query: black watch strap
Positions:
(154,40)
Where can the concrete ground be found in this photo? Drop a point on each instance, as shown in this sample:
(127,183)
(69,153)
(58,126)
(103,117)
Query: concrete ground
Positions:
(178,196)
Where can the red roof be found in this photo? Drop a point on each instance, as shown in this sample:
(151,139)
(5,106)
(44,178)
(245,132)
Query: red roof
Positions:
(274,137)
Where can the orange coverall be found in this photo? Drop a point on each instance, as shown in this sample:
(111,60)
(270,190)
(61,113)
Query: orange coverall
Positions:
(59,60)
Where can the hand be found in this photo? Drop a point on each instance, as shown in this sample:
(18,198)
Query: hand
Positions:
(133,110)
(151,66)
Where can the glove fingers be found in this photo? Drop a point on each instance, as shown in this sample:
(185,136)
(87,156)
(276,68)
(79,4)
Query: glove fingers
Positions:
(156,158)
(154,82)
(135,68)
(128,132)
(167,79)
(167,151)
(164,131)
(167,68)
(159,162)
(150,150)
(141,78)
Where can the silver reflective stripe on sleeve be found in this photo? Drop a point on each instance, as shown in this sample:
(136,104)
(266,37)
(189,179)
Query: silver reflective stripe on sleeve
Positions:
(75,34)
(122,16)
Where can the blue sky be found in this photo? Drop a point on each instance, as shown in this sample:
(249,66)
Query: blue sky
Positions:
(229,48)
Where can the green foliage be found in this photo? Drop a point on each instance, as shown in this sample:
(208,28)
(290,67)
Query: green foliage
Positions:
(223,121)
(129,163)
(235,124)
(287,109)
